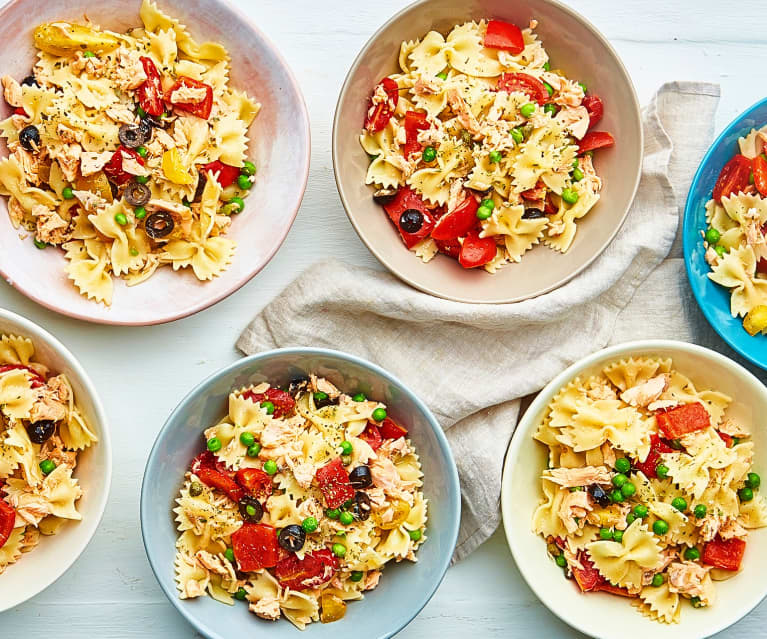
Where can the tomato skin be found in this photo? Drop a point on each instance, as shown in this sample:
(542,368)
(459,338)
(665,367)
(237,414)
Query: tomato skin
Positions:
(449,247)
(505,36)
(759,167)
(36,381)
(595,140)
(334,483)
(589,578)
(391,429)
(215,479)
(680,421)
(7,520)
(200,109)
(150,93)
(725,438)
(458,222)
(733,178)
(284,404)
(114,168)
(657,446)
(378,116)
(255,547)
(724,553)
(227,174)
(255,481)
(372,435)
(477,251)
(405,199)
(533,87)
(595,107)
(415,121)
(314,569)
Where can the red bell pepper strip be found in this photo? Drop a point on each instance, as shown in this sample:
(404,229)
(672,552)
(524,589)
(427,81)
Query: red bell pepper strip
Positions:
(391,429)
(458,222)
(150,93)
(533,87)
(725,438)
(449,247)
(379,113)
(406,199)
(284,404)
(477,251)
(681,420)
(315,569)
(595,140)
(255,547)
(7,520)
(114,168)
(372,435)
(202,108)
(505,36)
(333,481)
(415,121)
(724,553)
(36,380)
(595,108)
(255,481)
(224,173)
(649,465)
(759,167)
(215,479)
(733,178)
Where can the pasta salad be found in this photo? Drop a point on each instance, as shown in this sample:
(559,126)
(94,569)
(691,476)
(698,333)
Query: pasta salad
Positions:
(299,501)
(479,149)
(649,493)
(736,223)
(41,433)
(127,151)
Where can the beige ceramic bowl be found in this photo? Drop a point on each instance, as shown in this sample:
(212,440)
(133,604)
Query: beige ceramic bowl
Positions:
(574,46)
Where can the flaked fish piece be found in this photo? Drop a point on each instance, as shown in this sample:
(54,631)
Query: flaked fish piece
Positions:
(686,578)
(644,394)
(462,112)
(574,477)
(575,505)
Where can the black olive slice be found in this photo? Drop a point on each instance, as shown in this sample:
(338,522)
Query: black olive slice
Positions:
(361,507)
(298,385)
(40,432)
(158,122)
(292,538)
(131,136)
(384,196)
(360,477)
(250,509)
(600,495)
(533,214)
(202,180)
(30,138)
(30,81)
(411,221)
(146,129)
(159,225)
(137,194)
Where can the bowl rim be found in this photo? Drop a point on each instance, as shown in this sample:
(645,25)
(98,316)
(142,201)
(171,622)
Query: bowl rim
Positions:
(36,333)
(688,245)
(371,245)
(539,403)
(303,178)
(152,461)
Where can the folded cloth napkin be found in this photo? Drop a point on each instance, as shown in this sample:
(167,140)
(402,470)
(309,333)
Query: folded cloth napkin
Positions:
(472,363)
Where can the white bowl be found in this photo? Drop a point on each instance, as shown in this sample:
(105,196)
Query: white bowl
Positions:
(51,558)
(599,614)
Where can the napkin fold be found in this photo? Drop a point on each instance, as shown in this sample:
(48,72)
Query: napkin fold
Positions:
(472,363)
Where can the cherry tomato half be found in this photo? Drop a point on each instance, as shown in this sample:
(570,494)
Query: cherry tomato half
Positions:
(527,84)
(733,178)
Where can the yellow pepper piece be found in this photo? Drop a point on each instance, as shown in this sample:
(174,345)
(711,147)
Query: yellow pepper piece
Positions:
(756,320)
(98,183)
(401,512)
(332,608)
(65,38)
(173,168)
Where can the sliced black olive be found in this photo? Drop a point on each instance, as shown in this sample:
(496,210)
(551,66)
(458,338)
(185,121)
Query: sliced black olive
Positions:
(131,136)
(137,194)
(251,509)
(40,432)
(360,477)
(292,538)
(30,81)
(201,182)
(30,138)
(533,214)
(146,129)
(384,196)
(600,495)
(298,385)
(159,225)
(361,507)
(411,221)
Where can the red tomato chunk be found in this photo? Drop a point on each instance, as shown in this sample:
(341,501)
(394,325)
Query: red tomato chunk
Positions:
(595,140)
(334,483)
(391,429)
(114,168)
(372,435)
(724,553)
(595,108)
(255,481)
(284,403)
(524,83)
(733,178)
(657,446)
(505,36)
(201,108)
(214,479)
(415,121)
(7,520)
(255,547)
(404,200)
(314,569)
(682,420)
(379,112)
(150,93)
(458,222)
(224,173)
(477,251)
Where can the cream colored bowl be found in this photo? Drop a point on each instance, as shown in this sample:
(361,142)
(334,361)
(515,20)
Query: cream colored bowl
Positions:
(574,46)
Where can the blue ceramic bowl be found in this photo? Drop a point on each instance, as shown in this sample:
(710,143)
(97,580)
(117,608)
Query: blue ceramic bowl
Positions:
(714,300)
(405,588)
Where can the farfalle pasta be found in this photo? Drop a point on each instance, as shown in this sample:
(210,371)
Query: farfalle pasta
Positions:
(479,150)
(300,500)
(128,151)
(41,433)
(649,492)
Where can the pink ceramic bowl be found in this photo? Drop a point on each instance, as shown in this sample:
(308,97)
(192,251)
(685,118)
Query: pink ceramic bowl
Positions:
(280,148)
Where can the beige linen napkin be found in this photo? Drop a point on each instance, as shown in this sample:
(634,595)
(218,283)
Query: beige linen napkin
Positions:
(472,363)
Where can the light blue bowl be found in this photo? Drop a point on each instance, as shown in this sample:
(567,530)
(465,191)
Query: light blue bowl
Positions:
(405,588)
(714,300)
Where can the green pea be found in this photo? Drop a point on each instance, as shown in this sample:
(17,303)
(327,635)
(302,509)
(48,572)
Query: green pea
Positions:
(195,489)
(243,181)
(142,179)
(619,480)
(415,535)
(560,561)
(134,251)
(359,397)
(379,414)
(67,193)
(341,534)
(346,447)
(248,168)
(550,108)
(89,54)
(346,518)
(484,213)
(622,465)
(229,554)
(616,496)
(241,594)
(713,236)
(680,503)
(578,175)
(618,536)
(270,467)
(700,511)
(641,511)
(696,602)
(753,481)
(429,154)
(139,212)
(332,513)
(214,444)
(247,439)
(186,203)
(546,66)
(570,196)
(488,203)
(47,466)
(320,396)
(310,524)
(141,112)
(339,550)
(526,110)
(692,554)
(254,450)
(631,518)
(549,88)
(606,534)
(356,575)
(250,510)
(661,471)
(268,406)
(121,219)
(628,489)
(746,494)
(660,527)
(442,75)
(720,250)
(142,151)
(237,204)
(517,135)
(657,580)
(495,156)
(39,244)
(583,86)
(575,163)
(576,489)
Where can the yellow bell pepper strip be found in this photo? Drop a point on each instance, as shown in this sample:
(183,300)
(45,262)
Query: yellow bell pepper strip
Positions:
(64,38)
(173,168)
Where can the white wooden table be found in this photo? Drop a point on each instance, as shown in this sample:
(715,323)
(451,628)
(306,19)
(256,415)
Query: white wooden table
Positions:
(142,373)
